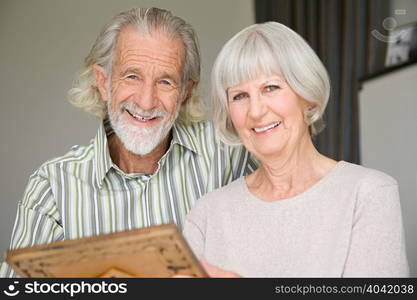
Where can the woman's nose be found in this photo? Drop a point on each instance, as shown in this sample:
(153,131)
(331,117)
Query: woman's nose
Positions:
(257,107)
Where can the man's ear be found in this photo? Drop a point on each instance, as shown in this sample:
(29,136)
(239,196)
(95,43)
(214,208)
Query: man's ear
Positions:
(101,80)
(188,89)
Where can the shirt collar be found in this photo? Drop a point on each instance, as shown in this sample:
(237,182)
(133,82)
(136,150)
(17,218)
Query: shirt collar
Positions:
(185,136)
(182,135)
(103,161)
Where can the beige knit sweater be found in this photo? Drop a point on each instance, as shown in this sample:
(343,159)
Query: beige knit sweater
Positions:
(347,225)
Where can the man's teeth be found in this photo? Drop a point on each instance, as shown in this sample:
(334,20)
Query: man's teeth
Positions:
(257,130)
(140,118)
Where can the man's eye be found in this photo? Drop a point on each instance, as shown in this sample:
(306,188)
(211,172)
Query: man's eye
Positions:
(240,96)
(133,77)
(165,82)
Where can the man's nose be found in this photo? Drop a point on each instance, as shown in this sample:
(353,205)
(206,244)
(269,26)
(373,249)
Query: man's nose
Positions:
(146,96)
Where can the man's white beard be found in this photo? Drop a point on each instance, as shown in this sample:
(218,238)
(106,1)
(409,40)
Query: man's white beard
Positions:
(137,140)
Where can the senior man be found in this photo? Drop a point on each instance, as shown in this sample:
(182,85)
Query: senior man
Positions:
(153,155)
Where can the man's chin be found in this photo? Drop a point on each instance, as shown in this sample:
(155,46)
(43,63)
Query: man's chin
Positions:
(137,145)
(141,141)
(139,150)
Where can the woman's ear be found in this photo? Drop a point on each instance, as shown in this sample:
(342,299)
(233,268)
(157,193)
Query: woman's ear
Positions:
(309,111)
(101,80)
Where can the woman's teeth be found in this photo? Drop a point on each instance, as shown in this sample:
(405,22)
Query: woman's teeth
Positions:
(262,129)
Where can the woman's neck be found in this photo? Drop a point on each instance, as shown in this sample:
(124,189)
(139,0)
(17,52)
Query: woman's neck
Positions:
(289,173)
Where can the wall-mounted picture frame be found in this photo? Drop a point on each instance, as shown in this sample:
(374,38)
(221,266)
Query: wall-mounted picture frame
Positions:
(402,45)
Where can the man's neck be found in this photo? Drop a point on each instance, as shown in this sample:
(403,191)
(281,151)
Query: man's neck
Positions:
(129,162)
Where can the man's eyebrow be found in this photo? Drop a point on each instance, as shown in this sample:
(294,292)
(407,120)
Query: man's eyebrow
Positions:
(136,70)
(130,70)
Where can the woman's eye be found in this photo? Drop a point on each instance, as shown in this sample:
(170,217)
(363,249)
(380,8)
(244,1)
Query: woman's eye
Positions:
(271,88)
(240,96)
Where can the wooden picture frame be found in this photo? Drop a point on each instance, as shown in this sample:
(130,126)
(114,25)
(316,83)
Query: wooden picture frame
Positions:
(157,251)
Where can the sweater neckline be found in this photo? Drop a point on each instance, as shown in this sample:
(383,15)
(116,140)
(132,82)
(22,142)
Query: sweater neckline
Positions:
(339,165)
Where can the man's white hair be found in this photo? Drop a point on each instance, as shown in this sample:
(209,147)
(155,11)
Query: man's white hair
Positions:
(271,48)
(85,94)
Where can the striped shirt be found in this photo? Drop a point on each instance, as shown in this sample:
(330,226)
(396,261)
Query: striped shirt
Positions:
(84,193)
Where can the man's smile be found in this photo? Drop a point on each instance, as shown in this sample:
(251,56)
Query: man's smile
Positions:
(141,118)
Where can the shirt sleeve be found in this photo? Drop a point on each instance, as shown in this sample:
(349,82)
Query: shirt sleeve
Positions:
(37,220)
(377,246)
(194,238)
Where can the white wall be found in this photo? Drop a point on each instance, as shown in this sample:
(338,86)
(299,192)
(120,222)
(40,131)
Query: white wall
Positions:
(388,124)
(42,45)
(388,130)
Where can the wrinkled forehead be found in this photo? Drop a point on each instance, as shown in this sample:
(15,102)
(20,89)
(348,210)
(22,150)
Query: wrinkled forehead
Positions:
(247,59)
(134,43)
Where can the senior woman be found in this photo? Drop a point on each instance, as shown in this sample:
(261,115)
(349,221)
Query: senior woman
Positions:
(300,214)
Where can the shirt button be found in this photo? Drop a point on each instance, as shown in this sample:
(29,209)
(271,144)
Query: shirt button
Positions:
(145,177)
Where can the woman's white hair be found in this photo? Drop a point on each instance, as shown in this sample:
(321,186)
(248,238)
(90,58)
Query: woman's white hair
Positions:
(271,48)
(85,94)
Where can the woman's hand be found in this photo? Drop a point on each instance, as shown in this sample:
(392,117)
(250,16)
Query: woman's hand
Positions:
(212,271)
